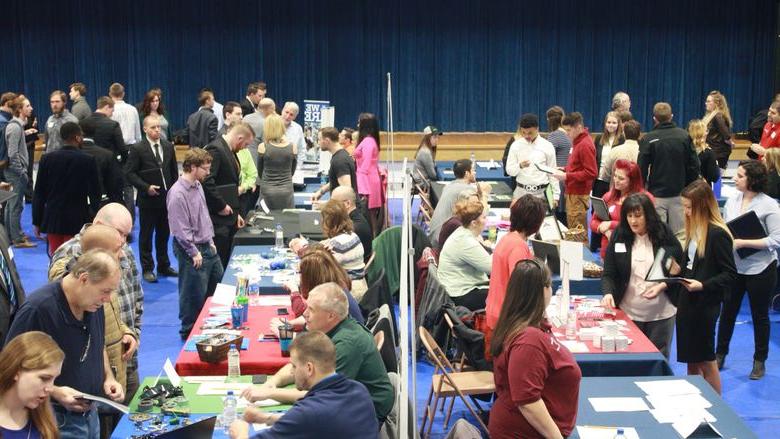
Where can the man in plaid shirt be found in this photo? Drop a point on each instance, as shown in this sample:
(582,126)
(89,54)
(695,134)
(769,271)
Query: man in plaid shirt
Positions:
(130,293)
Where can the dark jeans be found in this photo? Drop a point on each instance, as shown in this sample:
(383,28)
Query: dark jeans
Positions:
(223,240)
(473,300)
(73,425)
(153,221)
(128,194)
(248,201)
(28,191)
(659,332)
(195,284)
(760,289)
(14,206)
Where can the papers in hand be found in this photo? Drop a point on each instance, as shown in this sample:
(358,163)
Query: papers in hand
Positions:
(618,404)
(120,407)
(546,169)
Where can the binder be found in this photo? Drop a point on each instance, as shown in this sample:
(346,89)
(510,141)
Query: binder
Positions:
(600,208)
(154,176)
(747,226)
(229,193)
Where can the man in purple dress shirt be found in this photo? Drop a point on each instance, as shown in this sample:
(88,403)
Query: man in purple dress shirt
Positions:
(188,217)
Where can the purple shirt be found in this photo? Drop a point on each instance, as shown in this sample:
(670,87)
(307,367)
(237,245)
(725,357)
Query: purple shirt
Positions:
(188,216)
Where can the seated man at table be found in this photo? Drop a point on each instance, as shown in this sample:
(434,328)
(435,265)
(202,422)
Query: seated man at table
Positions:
(356,354)
(465,178)
(344,403)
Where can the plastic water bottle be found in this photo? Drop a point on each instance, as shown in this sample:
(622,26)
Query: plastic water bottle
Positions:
(571,323)
(229,410)
(473,158)
(279,245)
(619,434)
(234,364)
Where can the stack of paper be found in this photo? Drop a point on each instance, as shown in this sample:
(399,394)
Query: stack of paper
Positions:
(618,404)
(677,402)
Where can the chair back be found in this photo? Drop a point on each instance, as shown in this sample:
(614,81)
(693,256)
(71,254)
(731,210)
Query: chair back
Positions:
(379,340)
(388,349)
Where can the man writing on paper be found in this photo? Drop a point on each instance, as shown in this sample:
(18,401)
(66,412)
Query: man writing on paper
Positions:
(333,407)
(151,167)
(69,310)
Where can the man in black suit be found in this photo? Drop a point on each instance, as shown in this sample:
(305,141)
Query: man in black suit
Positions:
(202,124)
(254,93)
(67,192)
(221,186)
(109,173)
(152,169)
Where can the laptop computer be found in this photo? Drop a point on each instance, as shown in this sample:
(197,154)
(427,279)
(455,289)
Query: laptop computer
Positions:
(310,222)
(202,429)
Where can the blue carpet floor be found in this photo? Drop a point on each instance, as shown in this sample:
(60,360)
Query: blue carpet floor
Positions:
(756,402)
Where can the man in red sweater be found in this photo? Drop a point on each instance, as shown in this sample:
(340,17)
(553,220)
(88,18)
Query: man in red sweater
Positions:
(580,171)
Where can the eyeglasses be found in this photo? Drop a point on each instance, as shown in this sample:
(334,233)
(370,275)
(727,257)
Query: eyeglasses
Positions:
(86,348)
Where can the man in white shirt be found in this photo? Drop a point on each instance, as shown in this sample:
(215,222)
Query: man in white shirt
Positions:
(125,114)
(293,131)
(527,151)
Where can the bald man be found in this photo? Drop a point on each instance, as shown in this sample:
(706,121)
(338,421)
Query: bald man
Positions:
(346,195)
(129,293)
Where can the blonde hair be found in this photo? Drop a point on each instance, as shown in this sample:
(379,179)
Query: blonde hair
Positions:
(704,211)
(618,132)
(273,129)
(721,106)
(772,160)
(31,351)
(698,132)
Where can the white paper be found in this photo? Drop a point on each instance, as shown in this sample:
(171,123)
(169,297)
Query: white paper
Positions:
(258,427)
(224,294)
(11,253)
(618,404)
(679,401)
(687,426)
(571,255)
(204,379)
(669,416)
(667,387)
(575,346)
(170,372)
(120,407)
(487,165)
(598,432)
(218,388)
(217,331)
(297,177)
(277,300)
(264,206)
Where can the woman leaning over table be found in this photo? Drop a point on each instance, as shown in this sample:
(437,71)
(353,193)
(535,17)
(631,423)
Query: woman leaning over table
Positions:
(708,266)
(537,379)
(629,256)
(626,180)
(29,364)
(756,273)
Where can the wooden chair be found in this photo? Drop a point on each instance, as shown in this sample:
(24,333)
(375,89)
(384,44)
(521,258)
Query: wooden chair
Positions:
(446,382)
(460,364)
(425,213)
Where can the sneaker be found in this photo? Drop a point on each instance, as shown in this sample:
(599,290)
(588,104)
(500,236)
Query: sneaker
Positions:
(24,243)
(150,277)
(759,369)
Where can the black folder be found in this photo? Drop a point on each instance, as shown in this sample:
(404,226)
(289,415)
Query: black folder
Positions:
(600,208)
(154,176)
(747,226)
(229,193)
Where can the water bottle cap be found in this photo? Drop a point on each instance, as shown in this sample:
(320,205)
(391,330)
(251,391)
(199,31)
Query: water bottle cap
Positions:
(619,431)
(230,393)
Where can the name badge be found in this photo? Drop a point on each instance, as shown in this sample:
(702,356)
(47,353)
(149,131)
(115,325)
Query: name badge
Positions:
(620,247)
(773,135)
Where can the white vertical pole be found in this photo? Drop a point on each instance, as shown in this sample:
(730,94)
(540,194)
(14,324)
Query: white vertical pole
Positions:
(403,424)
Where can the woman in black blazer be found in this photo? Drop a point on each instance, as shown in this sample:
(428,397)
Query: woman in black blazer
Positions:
(627,261)
(709,270)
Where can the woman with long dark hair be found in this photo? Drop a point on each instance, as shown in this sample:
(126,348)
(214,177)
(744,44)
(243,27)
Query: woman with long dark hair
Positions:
(626,180)
(367,161)
(29,364)
(709,270)
(425,157)
(630,253)
(757,272)
(152,106)
(537,379)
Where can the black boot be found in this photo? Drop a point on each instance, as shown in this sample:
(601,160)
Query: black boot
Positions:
(759,369)
(720,359)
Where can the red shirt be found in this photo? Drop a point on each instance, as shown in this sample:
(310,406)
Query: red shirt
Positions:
(581,168)
(511,249)
(532,366)
(770,138)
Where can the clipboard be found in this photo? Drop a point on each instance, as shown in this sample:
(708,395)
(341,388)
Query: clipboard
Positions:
(600,208)
(659,270)
(747,226)
(546,169)
(229,193)
(154,176)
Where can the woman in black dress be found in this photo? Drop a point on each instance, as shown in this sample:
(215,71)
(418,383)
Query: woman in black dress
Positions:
(709,270)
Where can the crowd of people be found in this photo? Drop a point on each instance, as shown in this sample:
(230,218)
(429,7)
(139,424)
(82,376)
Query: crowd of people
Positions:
(99,166)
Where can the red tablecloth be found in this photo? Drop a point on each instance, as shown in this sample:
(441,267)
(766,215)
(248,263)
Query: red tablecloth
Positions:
(640,344)
(261,358)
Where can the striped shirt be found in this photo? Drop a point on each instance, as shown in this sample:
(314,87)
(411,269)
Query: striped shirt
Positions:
(348,251)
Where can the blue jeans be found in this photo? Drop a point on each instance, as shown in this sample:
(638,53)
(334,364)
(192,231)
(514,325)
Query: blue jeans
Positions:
(75,425)
(14,206)
(195,284)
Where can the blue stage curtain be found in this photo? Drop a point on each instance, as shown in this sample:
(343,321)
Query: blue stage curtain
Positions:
(462,65)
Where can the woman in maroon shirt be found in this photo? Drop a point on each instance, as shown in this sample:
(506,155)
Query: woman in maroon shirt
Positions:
(537,379)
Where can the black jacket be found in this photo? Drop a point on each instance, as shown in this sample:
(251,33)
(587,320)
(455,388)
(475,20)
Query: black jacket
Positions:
(247,107)
(667,160)
(66,178)
(619,141)
(105,132)
(719,136)
(716,271)
(202,127)
(617,266)
(10,283)
(224,170)
(709,166)
(363,231)
(141,158)
(109,171)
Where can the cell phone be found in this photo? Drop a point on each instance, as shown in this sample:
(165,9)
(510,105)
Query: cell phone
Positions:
(259,379)
(282,311)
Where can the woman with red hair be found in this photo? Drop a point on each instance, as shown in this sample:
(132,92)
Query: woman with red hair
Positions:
(626,180)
